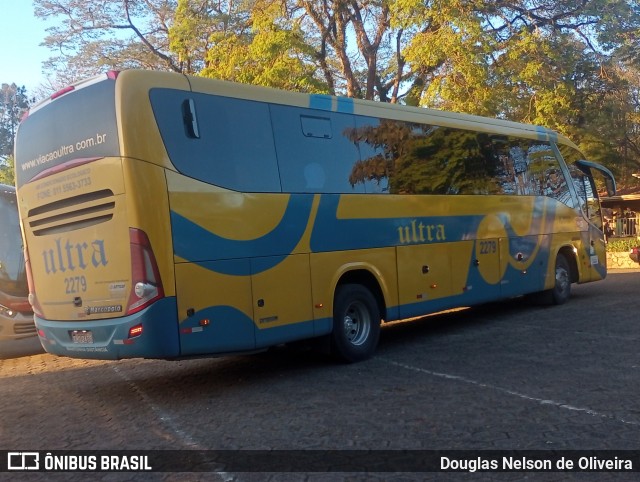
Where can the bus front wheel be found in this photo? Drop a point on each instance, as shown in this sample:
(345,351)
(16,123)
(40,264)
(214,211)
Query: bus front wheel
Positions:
(356,323)
(561,291)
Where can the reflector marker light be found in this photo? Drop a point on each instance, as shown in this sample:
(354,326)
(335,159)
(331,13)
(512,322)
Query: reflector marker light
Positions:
(188,331)
(61,92)
(135,331)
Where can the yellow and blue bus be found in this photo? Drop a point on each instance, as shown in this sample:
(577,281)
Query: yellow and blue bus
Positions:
(169,216)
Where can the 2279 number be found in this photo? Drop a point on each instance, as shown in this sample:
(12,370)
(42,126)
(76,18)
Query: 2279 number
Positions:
(488,247)
(75,284)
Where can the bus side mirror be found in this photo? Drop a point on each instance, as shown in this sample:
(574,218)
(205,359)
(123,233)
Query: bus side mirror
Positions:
(609,180)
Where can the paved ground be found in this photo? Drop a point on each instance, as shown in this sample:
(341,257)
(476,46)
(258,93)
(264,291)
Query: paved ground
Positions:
(506,376)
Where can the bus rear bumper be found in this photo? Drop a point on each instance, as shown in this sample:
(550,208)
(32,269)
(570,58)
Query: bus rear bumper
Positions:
(111,339)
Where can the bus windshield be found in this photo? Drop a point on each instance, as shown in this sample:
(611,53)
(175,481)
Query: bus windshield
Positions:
(13,279)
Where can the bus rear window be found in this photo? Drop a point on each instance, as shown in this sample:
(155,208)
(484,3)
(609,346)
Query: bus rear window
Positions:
(80,124)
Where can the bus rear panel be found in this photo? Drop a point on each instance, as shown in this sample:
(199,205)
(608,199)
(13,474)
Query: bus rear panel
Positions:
(96,286)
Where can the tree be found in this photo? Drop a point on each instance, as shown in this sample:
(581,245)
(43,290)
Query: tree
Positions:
(555,64)
(197,23)
(13,104)
(7,172)
(98,35)
(569,64)
(362,71)
(246,42)
(442,52)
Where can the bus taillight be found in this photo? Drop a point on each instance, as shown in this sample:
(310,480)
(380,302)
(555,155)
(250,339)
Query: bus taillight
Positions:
(135,331)
(146,285)
(33,300)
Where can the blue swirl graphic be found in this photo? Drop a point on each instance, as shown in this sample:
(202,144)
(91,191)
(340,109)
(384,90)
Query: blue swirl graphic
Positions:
(199,245)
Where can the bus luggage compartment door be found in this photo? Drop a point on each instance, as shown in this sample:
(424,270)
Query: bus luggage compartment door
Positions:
(281,288)
(214,307)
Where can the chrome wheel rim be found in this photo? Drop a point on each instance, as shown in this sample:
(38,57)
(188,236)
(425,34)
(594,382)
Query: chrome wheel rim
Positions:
(562,279)
(357,323)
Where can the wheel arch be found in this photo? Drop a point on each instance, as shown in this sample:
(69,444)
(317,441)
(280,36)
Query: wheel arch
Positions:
(362,276)
(570,254)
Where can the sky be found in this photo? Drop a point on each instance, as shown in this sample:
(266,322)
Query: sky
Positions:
(21,55)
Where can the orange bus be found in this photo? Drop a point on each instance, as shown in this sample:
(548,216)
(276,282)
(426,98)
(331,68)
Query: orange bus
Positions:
(16,316)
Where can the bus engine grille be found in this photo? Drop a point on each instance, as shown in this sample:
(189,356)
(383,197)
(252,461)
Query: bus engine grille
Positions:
(72,213)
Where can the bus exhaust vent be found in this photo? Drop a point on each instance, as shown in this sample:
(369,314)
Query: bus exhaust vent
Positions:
(72,213)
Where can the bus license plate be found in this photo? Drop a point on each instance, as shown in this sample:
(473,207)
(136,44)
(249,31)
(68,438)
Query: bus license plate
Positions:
(81,336)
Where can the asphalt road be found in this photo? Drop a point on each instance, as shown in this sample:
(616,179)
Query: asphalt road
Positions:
(505,376)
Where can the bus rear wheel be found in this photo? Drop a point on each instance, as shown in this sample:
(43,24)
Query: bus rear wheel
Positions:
(356,323)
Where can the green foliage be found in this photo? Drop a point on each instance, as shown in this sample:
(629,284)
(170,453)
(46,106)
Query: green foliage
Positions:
(622,244)
(247,42)
(89,37)
(199,24)
(13,104)
(7,172)
(568,65)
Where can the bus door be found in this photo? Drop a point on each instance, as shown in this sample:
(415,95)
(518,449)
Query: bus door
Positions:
(523,260)
(582,174)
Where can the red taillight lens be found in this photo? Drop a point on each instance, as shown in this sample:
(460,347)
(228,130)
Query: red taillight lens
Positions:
(146,285)
(135,331)
(61,92)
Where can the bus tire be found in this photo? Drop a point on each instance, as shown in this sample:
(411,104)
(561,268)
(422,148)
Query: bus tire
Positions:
(356,323)
(561,291)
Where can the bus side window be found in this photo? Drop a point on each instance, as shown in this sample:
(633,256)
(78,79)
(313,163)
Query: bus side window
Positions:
(585,190)
(314,154)
(577,177)
(374,165)
(409,158)
(229,143)
(584,186)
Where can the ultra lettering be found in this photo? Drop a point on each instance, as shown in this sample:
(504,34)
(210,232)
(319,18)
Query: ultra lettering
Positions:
(68,256)
(417,232)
